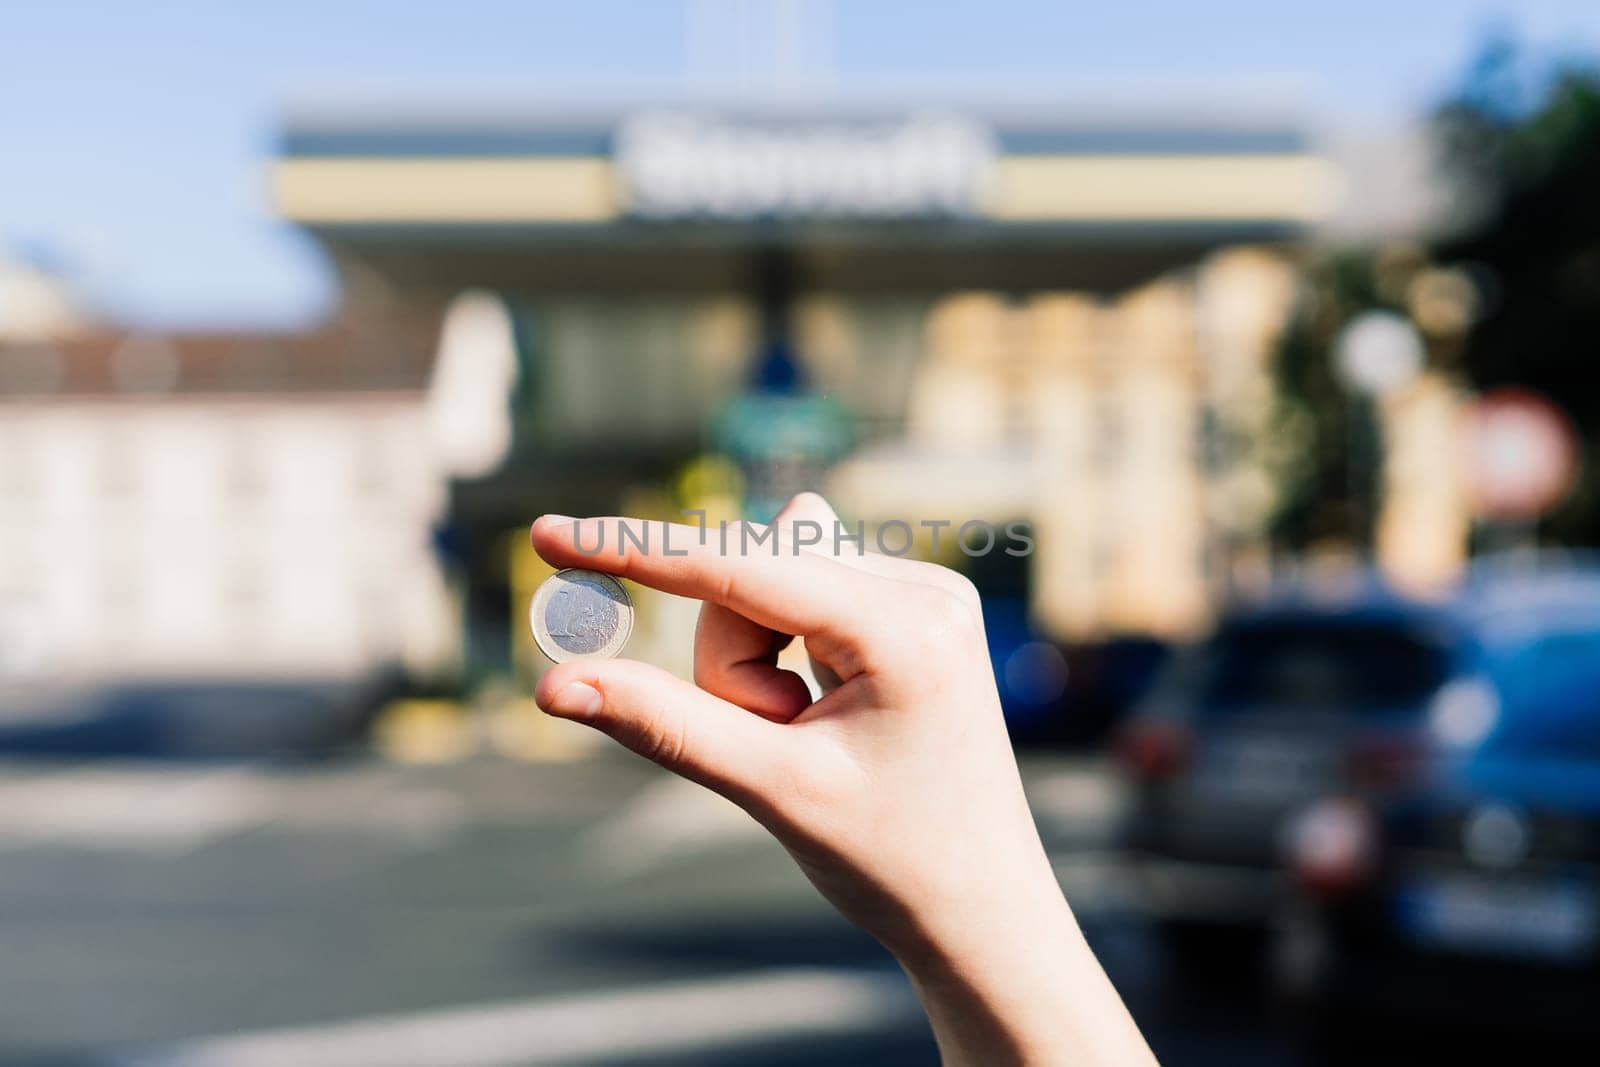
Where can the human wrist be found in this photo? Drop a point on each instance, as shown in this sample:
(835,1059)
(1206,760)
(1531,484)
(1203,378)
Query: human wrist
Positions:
(1016,982)
(996,986)
(954,926)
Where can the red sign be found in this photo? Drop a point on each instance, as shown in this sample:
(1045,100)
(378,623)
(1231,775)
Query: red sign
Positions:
(1523,455)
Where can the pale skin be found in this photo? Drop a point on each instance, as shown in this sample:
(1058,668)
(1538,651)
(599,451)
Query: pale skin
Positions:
(896,791)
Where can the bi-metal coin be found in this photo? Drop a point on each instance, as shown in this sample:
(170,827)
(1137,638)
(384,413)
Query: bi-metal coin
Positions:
(579,614)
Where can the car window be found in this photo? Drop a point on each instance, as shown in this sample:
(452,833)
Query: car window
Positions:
(1550,696)
(1348,665)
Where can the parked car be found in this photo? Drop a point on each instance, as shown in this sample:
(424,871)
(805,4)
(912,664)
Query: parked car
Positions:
(1300,698)
(1477,892)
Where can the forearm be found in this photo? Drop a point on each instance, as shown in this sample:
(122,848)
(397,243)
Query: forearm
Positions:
(1014,981)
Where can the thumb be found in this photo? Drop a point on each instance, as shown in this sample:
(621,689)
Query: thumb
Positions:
(668,721)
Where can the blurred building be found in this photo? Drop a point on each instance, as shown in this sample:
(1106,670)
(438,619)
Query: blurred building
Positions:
(35,303)
(216,504)
(1033,315)
(1127,429)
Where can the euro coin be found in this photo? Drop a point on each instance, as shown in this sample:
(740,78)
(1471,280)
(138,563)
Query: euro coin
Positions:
(579,614)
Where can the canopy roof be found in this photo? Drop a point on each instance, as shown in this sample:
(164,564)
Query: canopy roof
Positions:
(861,197)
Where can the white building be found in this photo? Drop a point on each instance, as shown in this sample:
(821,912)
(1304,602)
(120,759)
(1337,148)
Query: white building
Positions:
(217,506)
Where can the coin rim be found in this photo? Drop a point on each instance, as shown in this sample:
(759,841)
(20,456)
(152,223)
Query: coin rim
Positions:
(555,653)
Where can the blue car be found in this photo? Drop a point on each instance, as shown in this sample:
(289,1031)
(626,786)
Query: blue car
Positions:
(1475,895)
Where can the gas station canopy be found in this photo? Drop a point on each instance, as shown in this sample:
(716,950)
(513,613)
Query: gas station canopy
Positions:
(860,198)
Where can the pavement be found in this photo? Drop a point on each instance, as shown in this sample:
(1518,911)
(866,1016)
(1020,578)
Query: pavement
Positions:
(491,911)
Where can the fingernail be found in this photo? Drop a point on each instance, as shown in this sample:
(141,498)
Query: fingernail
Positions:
(558,520)
(576,700)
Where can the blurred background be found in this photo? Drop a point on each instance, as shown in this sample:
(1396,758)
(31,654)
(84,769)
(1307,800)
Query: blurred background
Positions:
(1274,330)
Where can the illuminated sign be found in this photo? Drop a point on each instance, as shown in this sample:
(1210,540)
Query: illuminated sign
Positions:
(674,165)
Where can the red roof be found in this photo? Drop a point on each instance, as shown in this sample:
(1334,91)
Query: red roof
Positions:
(387,352)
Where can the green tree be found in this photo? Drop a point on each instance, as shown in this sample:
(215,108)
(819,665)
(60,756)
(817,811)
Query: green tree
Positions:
(1522,140)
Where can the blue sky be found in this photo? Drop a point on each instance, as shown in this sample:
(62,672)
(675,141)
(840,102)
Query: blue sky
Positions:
(134,136)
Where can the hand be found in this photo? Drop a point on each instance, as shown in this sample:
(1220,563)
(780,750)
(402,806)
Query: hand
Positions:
(896,791)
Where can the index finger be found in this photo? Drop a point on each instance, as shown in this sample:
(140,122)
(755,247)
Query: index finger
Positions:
(766,580)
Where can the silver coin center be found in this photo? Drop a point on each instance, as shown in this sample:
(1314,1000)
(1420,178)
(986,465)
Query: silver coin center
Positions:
(583,616)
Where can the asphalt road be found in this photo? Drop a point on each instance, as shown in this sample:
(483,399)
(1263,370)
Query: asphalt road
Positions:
(495,912)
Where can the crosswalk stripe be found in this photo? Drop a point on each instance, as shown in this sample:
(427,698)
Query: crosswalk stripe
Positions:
(678,1017)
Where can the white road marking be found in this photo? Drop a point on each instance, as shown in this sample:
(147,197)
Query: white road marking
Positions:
(679,1017)
(668,818)
(169,810)
(1080,795)
(120,808)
